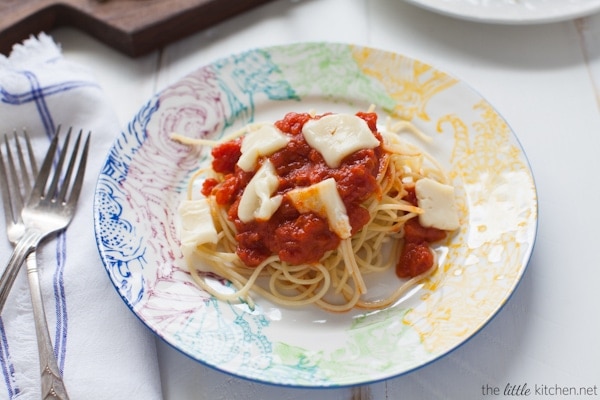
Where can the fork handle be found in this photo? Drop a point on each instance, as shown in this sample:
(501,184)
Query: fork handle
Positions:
(26,245)
(53,386)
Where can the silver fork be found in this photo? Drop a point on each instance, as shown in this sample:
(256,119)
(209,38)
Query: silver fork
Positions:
(46,211)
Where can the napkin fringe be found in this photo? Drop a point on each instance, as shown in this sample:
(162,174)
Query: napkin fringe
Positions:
(22,326)
(34,50)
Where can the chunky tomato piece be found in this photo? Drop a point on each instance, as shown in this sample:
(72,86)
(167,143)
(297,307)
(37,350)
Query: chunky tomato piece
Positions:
(293,122)
(414,232)
(415,259)
(226,156)
(208,185)
(416,256)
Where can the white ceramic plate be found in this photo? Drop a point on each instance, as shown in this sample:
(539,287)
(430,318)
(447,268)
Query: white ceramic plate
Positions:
(145,176)
(512,11)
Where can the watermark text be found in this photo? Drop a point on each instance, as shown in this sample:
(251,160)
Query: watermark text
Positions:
(538,389)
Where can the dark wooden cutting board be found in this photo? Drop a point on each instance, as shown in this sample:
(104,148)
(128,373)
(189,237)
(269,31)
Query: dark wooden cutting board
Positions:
(134,27)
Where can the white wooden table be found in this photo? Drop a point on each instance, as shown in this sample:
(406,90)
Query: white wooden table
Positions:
(544,79)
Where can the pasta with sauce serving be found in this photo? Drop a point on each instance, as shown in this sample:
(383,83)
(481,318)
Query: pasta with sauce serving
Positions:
(299,211)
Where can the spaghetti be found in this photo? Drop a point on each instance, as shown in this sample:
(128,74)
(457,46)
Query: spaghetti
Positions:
(301,211)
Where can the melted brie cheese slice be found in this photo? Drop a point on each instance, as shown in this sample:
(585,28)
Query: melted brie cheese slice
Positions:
(264,141)
(337,136)
(196,228)
(256,201)
(324,200)
(438,204)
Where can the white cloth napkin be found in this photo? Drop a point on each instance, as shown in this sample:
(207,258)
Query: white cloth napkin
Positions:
(104,351)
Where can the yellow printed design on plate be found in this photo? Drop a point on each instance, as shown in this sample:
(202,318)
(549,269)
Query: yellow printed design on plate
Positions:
(495,195)
(409,82)
(484,259)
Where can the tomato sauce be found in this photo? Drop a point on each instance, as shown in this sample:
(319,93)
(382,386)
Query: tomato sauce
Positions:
(296,238)
(304,238)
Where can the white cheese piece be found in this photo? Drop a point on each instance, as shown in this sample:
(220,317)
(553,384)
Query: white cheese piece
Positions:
(324,200)
(264,141)
(438,204)
(337,136)
(256,201)
(196,228)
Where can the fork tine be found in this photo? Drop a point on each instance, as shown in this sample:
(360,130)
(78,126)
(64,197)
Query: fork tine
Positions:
(27,173)
(42,178)
(78,182)
(51,192)
(32,161)
(22,166)
(67,178)
(6,197)
(16,201)
(80,171)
